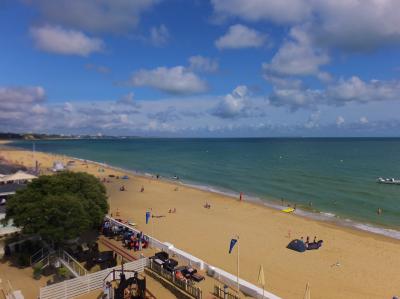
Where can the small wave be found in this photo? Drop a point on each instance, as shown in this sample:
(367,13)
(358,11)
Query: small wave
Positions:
(378,230)
(327,214)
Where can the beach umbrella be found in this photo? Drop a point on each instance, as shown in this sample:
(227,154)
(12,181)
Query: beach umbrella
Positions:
(261,278)
(307,294)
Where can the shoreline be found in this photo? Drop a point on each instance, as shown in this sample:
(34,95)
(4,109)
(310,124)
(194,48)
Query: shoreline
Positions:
(351,263)
(270,203)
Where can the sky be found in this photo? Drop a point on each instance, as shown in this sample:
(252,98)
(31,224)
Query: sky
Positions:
(201,68)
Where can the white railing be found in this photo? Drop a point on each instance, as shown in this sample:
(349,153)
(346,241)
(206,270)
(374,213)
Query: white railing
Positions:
(84,284)
(245,286)
(72,264)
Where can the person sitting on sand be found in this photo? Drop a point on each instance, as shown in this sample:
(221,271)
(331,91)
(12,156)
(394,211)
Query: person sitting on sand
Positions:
(142,189)
(122,188)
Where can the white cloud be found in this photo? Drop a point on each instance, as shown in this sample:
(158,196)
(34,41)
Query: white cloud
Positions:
(25,110)
(363,120)
(313,120)
(203,64)
(237,104)
(296,97)
(297,57)
(342,92)
(21,95)
(128,99)
(174,80)
(281,12)
(357,25)
(340,121)
(117,16)
(55,39)
(159,36)
(355,89)
(346,24)
(240,36)
(21,105)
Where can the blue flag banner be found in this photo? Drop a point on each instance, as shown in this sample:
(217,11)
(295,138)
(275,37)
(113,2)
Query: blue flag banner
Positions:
(233,243)
(147,217)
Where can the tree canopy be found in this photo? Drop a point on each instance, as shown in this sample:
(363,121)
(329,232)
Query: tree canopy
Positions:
(59,207)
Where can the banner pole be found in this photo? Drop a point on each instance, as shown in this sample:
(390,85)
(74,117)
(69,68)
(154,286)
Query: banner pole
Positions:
(238,249)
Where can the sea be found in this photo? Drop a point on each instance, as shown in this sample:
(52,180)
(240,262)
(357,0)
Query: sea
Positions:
(331,179)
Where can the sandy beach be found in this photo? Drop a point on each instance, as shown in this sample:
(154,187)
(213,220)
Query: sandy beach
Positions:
(350,264)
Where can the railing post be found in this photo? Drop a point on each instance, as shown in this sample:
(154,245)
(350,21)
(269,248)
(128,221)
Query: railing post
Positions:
(88,283)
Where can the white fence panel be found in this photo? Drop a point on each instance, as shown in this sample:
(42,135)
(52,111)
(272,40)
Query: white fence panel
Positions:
(85,284)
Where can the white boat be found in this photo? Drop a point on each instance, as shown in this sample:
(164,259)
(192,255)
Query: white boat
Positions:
(388,181)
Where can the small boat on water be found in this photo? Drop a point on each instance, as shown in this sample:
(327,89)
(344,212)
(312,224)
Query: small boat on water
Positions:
(388,181)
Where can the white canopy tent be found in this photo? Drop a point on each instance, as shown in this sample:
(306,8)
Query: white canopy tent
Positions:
(18,176)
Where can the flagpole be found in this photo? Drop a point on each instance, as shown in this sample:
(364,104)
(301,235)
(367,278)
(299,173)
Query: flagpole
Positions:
(152,226)
(238,247)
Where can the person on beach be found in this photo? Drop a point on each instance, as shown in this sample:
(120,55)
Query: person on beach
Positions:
(142,189)
(379,211)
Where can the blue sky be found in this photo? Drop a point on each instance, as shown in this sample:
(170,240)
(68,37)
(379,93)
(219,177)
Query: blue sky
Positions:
(201,68)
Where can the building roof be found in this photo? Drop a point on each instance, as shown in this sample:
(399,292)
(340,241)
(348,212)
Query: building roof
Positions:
(18,176)
(9,189)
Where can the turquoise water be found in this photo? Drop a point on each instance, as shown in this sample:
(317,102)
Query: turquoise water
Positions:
(336,175)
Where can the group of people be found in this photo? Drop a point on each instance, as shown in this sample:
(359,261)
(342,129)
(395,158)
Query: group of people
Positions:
(207,205)
(172,211)
(312,245)
(135,241)
(130,239)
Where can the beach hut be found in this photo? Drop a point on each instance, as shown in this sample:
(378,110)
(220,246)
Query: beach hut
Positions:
(19,176)
(297,245)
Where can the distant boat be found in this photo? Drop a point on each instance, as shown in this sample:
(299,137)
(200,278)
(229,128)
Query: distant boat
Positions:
(391,181)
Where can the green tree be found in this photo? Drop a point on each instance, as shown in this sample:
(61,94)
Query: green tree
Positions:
(60,206)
